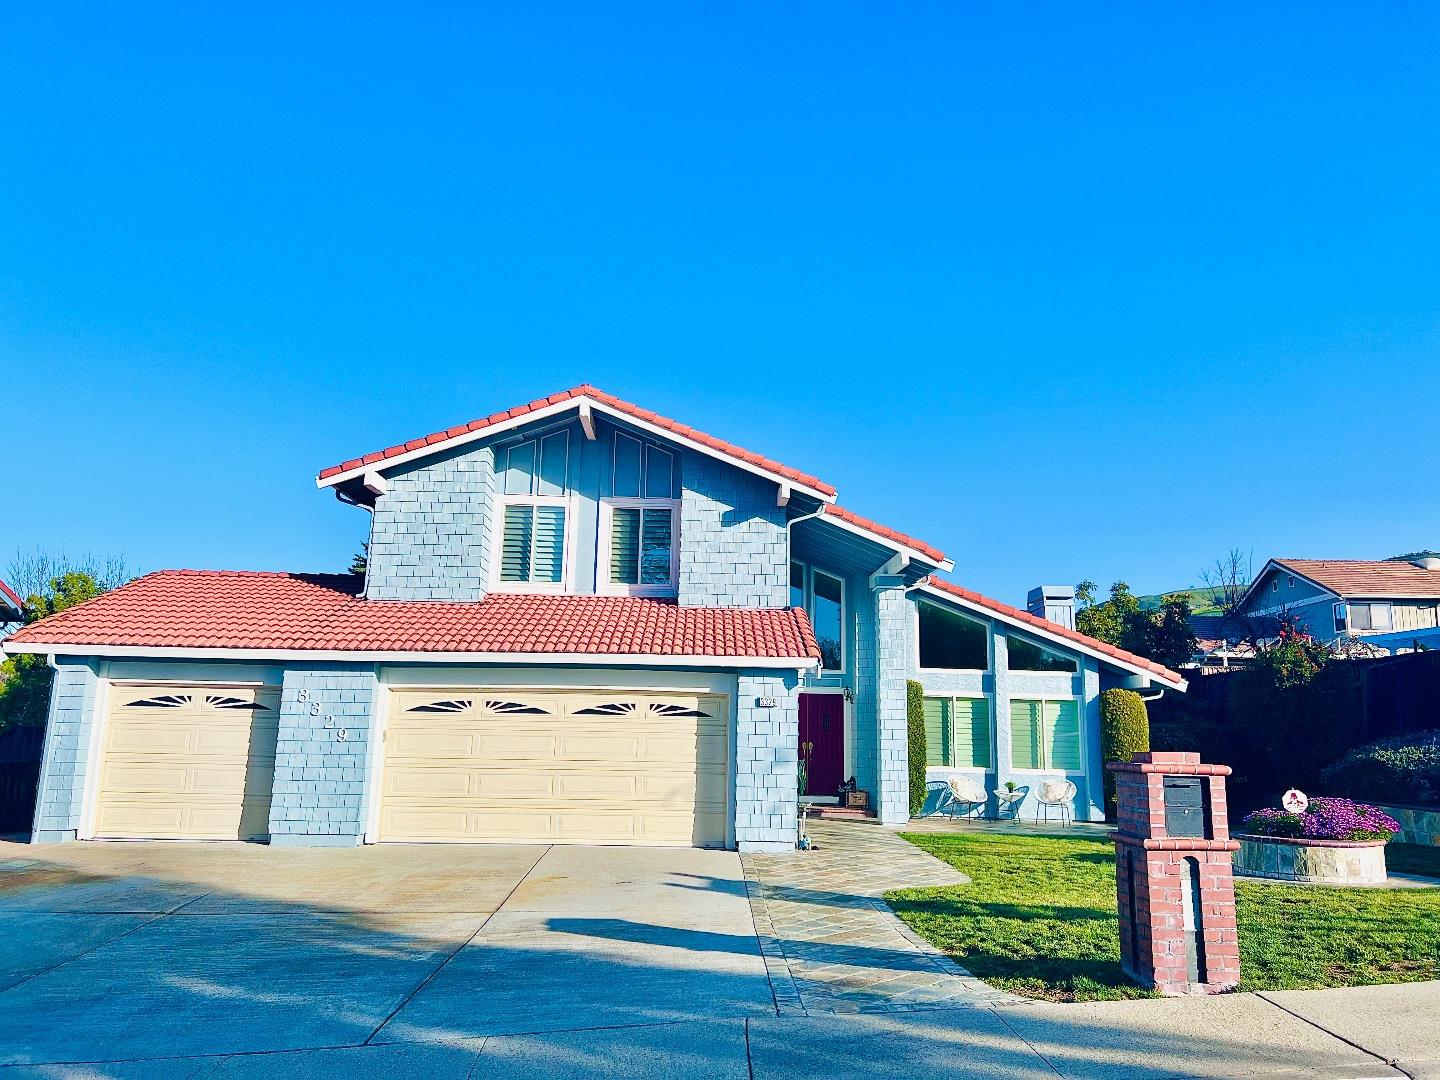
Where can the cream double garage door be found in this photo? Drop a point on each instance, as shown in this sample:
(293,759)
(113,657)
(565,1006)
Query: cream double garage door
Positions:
(459,766)
(554,767)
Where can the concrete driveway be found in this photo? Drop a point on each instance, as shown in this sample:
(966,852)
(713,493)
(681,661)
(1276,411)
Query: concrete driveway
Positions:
(132,951)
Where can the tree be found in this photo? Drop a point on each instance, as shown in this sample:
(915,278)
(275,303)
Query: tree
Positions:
(25,679)
(1163,635)
(1170,640)
(360,561)
(1228,580)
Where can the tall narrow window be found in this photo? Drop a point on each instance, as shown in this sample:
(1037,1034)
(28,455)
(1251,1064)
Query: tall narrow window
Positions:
(531,533)
(827,615)
(638,520)
(797,584)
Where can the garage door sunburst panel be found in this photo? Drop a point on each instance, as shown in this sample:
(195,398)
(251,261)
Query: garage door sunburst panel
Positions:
(465,705)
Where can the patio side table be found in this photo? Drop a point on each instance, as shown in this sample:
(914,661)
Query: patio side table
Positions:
(1007,803)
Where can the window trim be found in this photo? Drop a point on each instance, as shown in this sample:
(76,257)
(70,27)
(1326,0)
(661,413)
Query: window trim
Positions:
(1047,769)
(844,607)
(989,641)
(497,544)
(992,746)
(1016,635)
(603,585)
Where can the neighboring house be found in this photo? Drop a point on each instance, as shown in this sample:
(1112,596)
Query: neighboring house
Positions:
(1223,642)
(12,608)
(1348,601)
(581,622)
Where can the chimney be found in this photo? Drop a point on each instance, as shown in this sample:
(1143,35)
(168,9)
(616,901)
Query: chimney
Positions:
(1427,563)
(1055,603)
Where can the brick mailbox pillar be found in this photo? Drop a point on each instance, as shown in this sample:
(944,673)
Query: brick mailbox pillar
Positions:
(1173,876)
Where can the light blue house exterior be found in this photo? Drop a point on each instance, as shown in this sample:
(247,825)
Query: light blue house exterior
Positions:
(583,495)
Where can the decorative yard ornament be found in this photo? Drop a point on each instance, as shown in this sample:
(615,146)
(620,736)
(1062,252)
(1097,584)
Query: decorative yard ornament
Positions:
(1295,801)
(1173,875)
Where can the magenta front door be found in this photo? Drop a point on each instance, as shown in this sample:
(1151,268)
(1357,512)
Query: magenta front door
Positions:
(822,741)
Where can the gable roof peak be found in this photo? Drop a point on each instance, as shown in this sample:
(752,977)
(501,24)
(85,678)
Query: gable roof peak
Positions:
(553,404)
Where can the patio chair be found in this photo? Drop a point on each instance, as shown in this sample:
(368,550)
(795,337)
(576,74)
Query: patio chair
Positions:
(965,793)
(1059,794)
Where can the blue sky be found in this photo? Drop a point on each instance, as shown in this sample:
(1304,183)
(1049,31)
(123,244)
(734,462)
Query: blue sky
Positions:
(1068,290)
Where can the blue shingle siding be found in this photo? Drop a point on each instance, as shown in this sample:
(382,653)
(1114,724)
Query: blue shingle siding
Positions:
(430,536)
(319,796)
(766,761)
(733,546)
(67,749)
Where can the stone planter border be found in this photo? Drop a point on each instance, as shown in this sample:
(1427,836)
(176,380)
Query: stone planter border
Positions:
(1418,824)
(1312,862)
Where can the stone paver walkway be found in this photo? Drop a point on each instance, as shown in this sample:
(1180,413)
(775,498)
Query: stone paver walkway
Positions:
(832,945)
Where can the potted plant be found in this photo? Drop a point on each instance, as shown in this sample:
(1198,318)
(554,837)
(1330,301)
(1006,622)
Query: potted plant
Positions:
(1331,842)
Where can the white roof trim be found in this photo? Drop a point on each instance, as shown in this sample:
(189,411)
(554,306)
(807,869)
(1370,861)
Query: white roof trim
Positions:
(904,549)
(554,410)
(1058,639)
(1273,564)
(180,652)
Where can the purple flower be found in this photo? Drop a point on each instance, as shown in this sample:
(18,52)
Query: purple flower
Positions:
(1325,819)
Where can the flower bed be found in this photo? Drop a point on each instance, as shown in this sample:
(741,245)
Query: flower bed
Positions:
(1333,842)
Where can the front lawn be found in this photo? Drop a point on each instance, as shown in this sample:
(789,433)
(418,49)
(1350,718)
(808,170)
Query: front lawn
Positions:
(1038,918)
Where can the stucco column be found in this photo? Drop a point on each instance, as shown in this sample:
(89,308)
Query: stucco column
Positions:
(892,661)
(322,756)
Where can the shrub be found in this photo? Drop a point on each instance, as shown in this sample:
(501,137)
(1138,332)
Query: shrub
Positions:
(915,718)
(1325,819)
(1404,769)
(1124,730)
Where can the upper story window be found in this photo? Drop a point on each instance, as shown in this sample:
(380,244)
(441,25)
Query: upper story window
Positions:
(639,521)
(822,596)
(951,641)
(1027,655)
(1275,584)
(534,515)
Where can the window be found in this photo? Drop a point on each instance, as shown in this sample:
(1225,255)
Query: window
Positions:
(1365,616)
(1275,584)
(639,553)
(1290,581)
(827,616)
(797,584)
(1045,735)
(1340,618)
(532,545)
(533,514)
(957,732)
(641,545)
(1027,655)
(822,597)
(951,641)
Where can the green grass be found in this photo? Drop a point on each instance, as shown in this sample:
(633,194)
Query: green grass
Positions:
(1038,919)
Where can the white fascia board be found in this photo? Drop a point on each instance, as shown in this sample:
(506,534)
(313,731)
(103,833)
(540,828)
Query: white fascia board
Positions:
(554,410)
(587,420)
(397,657)
(1057,639)
(884,541)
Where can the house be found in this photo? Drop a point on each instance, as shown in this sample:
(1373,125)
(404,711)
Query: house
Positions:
(12,608)
(1347,601)
(580,622)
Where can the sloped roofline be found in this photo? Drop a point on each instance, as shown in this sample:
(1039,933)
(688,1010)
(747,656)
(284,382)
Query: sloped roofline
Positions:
(1278,564)
(1060,635)
(581,397)
(10,597)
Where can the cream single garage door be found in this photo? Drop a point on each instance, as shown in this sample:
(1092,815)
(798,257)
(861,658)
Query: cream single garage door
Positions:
(556,767)
(188,763)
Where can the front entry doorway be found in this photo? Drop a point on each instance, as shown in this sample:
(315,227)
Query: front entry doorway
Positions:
(822,742)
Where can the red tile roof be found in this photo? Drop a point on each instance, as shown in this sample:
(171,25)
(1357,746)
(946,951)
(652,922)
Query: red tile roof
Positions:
(203,609)
(1355,577)
(888,533)
(1093,644)
(585,390)
(10,596)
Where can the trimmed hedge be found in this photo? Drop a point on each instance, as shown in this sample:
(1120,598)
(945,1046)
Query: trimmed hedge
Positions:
(915,718)
(1124,730)
(1404,769)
